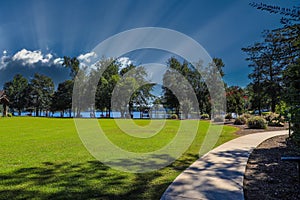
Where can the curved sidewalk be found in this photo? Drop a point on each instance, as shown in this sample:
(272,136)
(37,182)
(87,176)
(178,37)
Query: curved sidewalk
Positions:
(218,174)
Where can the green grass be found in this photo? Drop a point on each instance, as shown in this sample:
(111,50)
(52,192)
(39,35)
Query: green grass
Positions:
(43,158)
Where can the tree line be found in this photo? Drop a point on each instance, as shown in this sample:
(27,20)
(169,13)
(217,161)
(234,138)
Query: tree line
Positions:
(38,94)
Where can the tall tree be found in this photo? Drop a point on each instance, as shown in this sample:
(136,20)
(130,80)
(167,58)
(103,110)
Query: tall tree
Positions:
(197,81)
(41,91)
(16,90)
(106,84)
(62,98)
(133,85)
(72,64)
(257,62)
(287,57)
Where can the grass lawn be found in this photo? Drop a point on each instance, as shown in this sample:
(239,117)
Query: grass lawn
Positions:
(42,158)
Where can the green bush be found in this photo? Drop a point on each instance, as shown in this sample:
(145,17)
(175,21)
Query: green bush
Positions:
(204,116)
(174,116)
(276,122)
(9,115)
(257,122)
(274,119)
(228,116)
(240,120)
(247,115)
(271,116)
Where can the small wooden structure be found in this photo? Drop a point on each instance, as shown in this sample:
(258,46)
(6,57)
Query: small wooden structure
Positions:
(4,101)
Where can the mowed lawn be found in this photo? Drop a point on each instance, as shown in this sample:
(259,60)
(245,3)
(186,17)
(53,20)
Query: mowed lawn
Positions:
(43,158)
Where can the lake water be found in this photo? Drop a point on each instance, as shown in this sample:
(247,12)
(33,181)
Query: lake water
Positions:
(136,115)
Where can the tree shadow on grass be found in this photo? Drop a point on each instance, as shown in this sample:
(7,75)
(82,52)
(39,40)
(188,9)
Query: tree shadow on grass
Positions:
(88,180)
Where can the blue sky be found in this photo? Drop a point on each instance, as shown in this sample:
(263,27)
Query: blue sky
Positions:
(35,34)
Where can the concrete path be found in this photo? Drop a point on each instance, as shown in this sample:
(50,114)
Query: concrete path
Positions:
(218,174)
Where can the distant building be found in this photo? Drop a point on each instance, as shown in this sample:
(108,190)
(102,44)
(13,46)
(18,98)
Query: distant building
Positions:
(4,102)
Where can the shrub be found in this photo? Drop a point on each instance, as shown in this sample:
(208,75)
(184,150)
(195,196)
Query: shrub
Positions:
(278,121)
(271,116)
(274,119)
(247,115)
(228,116)
(240,120)
(257,122)
(204,116)
(174,116)
(219,119)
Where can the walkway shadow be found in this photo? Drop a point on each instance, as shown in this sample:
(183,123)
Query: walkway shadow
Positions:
(200,179)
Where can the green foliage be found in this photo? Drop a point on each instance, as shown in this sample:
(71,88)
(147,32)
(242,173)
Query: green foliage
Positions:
(265,114)
(257,122)
(291,77)
(205,116)
(247,115)
(277,122)
(41,89)
(73,65)
(178,72)
(278,59)
(9,115)
(241,120)
(281,108)
(132,83)
(235,99)
(274,119)
(17,92)
(62,98)
(106,84)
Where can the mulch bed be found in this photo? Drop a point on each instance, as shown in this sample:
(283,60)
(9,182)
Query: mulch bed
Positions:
(267,177)
(244,130)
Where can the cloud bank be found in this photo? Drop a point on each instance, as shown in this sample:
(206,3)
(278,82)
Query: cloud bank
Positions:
(27,62)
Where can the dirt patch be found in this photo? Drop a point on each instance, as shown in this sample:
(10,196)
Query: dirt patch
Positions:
(267,177)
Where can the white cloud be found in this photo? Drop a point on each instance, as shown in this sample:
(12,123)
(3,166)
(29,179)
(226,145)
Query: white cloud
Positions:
(124,61)
(87,57)
(47,58)
(58,61)
(4,61)
(31,57)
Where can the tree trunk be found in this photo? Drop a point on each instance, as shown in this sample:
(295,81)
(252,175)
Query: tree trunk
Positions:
(4,110)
